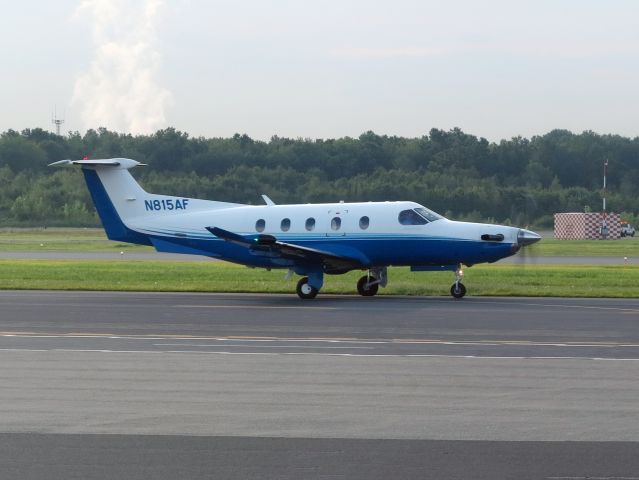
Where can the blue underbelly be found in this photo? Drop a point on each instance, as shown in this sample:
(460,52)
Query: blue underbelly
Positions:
(378,252)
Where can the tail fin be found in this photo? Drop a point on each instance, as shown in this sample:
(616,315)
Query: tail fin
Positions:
(115,194)
(126,210)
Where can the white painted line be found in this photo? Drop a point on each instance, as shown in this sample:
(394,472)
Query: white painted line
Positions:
(317,354)
(556,305)
(351,341)
(592,478)
(257,307)
(255,346)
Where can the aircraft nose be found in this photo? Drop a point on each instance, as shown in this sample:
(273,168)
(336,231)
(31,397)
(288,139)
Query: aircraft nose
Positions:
(526,237)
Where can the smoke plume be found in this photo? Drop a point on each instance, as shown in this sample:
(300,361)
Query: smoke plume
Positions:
(120,89)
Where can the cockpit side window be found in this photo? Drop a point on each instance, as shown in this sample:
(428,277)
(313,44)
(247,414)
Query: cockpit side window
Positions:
(428,214)
(411,217)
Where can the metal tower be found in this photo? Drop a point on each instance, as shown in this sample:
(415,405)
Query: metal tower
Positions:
(56,121)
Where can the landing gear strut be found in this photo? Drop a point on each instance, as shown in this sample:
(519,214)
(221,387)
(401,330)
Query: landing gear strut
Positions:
(368,285)
(458,290)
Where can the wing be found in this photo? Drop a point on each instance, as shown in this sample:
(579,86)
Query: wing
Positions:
(268,245)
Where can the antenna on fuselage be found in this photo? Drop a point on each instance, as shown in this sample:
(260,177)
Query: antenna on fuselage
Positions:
(267,200)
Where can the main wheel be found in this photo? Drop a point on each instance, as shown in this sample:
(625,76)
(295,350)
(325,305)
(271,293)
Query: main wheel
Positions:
(458,290)
(367,290)
(304,290)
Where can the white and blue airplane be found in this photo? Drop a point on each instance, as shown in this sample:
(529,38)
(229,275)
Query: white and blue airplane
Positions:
(310,240)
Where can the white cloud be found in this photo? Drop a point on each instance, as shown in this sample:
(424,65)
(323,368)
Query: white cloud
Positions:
(350,52)
(120,90)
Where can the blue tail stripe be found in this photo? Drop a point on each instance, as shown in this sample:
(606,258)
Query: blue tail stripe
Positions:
(111,221)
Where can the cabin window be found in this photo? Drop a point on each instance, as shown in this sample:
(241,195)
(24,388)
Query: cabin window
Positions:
(285,225)
(310,224)
(336,223)
(364,222)
(260,224)
(411,217)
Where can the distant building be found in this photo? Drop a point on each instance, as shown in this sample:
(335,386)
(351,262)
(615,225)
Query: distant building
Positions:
(586,226)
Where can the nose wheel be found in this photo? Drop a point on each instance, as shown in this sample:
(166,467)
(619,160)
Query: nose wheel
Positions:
(367,287)
(458,290)
(369,284)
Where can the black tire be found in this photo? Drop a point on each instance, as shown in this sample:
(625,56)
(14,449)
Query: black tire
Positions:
(458,290)
(367,292)
(304,290)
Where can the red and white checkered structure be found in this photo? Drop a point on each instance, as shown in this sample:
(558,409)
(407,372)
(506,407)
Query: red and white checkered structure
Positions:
(586,226)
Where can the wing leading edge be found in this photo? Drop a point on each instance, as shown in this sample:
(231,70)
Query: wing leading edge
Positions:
(269,246)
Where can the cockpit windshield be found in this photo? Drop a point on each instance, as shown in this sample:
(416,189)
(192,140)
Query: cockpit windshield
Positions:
(428,214)
(418,216)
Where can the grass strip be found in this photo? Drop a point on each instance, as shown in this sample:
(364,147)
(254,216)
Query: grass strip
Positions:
(490,280)
(92,239)
(63,239)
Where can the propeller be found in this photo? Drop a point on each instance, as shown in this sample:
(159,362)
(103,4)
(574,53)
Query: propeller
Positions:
(526,247)
(526,239)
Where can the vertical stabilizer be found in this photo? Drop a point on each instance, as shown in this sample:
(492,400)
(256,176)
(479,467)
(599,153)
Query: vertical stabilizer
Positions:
(122,204)
(115,193)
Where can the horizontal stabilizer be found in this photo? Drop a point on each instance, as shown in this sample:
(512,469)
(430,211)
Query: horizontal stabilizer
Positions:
(108,162)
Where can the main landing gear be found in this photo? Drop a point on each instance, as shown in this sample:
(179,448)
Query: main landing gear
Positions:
(367,286)
(458,290)
(306,291)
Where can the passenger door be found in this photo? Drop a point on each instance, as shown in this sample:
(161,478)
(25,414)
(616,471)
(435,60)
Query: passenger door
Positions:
(337,223)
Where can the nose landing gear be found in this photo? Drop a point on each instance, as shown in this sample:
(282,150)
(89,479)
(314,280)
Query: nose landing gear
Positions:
(368,285)
(458,290)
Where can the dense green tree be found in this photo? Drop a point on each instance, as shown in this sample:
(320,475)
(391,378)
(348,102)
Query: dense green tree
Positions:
(520,180)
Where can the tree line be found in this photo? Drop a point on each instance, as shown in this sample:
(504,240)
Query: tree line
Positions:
(519,181)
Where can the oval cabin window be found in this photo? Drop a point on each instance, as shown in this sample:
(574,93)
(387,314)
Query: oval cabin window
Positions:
(364,222)
(260,225)
(285,225)
(310,224)
(336,223)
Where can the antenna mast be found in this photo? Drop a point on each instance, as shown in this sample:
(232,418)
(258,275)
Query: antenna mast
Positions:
(56,121)
(604,223)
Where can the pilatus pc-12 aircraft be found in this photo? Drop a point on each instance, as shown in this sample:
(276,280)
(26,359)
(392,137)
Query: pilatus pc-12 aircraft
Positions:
(310,240)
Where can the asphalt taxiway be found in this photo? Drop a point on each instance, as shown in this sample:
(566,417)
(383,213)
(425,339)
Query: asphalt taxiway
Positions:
(103,384)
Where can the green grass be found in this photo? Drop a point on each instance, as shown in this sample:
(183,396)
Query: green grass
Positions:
(93,239)
(62,239)
(572,281)
(535,280)
(624,247)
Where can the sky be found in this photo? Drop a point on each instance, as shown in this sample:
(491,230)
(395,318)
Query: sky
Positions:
(322,68)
